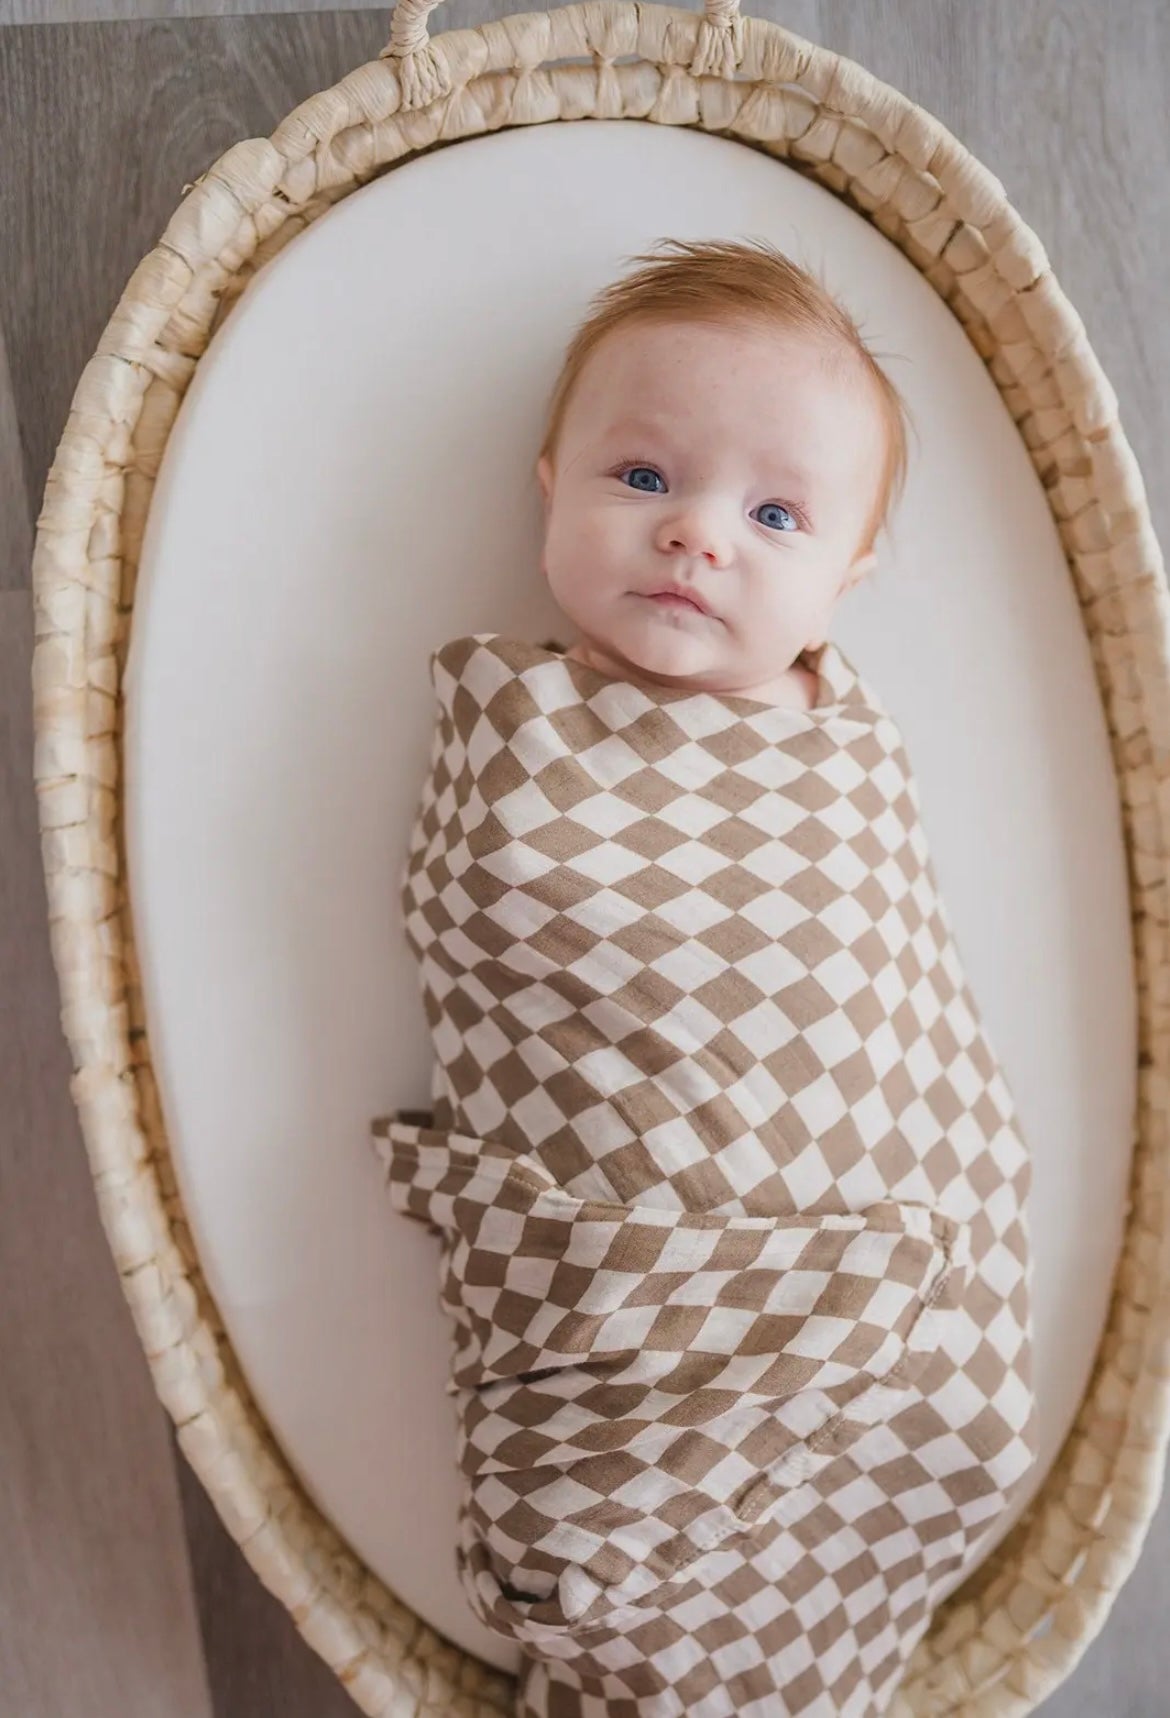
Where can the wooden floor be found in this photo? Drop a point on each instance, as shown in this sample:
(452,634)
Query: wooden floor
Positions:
(120,1594)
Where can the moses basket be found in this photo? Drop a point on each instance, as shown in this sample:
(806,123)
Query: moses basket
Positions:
(1016,1628)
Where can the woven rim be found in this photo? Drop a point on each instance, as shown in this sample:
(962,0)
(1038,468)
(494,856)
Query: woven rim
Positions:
(1016,1628)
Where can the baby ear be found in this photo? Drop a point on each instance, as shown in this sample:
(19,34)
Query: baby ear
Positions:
(860,567)
(544,477)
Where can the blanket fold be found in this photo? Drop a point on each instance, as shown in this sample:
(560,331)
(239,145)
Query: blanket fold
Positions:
(727,1184)
(684,1369)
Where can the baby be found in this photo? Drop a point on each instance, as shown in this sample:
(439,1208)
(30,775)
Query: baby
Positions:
(728,1184)
(721,453)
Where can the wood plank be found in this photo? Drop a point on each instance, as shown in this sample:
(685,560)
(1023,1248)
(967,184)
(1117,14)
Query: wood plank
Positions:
(16,523)
(96,1606)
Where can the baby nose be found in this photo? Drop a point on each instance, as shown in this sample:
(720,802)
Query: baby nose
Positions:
(696,533)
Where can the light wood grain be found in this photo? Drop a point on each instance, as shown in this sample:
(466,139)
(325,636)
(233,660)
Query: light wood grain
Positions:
(120,1565)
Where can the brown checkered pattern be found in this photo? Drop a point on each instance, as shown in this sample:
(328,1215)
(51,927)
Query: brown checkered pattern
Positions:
(729,1188)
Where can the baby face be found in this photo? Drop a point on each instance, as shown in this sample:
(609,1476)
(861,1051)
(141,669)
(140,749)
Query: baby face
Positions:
(728,462)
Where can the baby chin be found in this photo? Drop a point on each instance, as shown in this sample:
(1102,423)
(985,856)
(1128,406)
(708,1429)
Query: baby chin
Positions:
(668,638)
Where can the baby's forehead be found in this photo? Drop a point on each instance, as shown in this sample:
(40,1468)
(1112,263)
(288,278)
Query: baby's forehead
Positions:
(659,368)
(653,342)
(646,386)
(788,446)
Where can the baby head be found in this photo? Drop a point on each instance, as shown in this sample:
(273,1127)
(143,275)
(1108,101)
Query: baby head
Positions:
(720,454)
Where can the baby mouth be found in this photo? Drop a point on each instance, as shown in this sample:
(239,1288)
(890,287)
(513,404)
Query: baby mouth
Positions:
(675,599)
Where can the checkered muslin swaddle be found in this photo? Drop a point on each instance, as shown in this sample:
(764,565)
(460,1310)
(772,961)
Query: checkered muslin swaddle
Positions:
(729,1189)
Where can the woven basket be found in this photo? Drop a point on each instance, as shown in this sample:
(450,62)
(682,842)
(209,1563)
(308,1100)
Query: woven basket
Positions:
(1022,1620)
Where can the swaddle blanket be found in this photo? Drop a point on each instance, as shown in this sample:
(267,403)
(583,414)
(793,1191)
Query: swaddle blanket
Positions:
(729,1189)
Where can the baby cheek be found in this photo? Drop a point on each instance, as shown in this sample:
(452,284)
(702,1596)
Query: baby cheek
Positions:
(775,609)
(563,545)
(615,547)
(574,559)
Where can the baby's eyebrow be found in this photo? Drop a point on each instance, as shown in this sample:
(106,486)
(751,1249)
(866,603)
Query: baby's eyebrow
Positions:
(636,426)
(797,474)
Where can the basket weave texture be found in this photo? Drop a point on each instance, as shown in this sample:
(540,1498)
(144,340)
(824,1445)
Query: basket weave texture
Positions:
(1017,1627)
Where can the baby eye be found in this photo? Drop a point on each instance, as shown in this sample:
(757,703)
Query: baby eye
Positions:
(778,507)
(638,472)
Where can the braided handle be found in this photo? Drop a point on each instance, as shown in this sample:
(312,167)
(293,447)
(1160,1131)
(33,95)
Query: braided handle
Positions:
(408,24)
